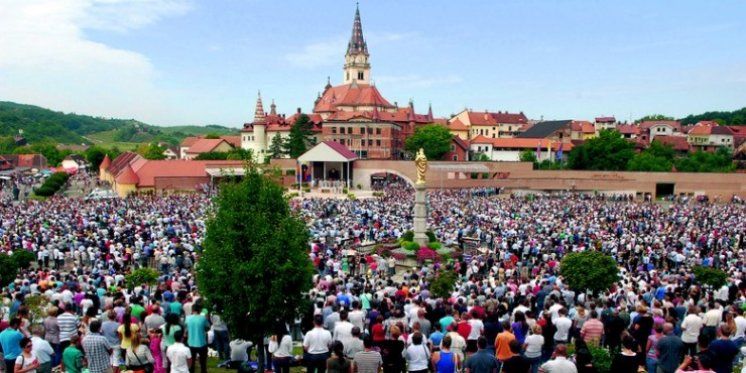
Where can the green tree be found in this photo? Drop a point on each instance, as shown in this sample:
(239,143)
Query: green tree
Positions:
(8,269)
(480,157)
(443,283)
(718,161)
(23,258)
(654,117)
(240,154)
(141,276)
(212,135)
(656,158)
(276,147)
(609,151)
(152,151)
(212,156)
(710,276)
(254,267)
(48,149)
(591,270)
(528,155)
(433,138)
(300,137)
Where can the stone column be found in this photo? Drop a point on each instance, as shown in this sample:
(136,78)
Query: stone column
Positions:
(420,215)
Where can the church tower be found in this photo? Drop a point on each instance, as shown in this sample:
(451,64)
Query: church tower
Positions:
(357,67)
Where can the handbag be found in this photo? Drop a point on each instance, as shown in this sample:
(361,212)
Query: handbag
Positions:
(147,368)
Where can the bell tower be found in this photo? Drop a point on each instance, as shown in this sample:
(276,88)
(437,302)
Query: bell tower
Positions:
(357,67)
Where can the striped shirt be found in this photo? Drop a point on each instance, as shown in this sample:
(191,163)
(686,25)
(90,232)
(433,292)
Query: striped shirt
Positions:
(368,361)
(592,330)
(68,324)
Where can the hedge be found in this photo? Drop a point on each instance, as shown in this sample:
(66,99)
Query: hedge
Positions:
(52,184)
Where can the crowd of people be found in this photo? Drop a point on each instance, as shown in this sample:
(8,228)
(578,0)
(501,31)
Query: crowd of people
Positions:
(509,310)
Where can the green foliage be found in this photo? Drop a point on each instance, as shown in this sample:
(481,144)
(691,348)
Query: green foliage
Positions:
(726,118)
(23,258)
(600,358)
(212,156)
(433,138)
(528,155)
(653,117)
(609,151)
(549,165)
(52,184)
(658,157)
(141,276)
(240,154)
(710,276)
(212,135)
(407,236)
(8,270)
(48,149)
(480,157)
(152,151)
(351,196)
(276,147)
(592,270)
(718,161)
(95,155)
(435,245)
(410,246)
(36,304)
(442,285)
(431,236)
(300,137)
(255,266)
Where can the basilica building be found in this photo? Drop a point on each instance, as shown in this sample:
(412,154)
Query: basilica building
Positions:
(354,114)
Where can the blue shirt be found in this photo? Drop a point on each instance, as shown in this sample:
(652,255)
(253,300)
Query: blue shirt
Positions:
(10,340)
(196,326)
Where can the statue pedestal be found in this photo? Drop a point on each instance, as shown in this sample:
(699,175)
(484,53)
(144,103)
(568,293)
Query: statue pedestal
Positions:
(420,215)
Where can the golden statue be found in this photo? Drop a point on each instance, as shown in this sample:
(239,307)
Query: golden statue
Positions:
(421,162)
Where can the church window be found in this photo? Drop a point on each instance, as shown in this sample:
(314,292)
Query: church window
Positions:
(348,75)
(360,75)
(334,130)
(378,131)
(341,130)
(378,142)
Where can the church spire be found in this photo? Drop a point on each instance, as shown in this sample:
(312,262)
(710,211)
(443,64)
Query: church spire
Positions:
(273,108)
(259,117)
(357,43)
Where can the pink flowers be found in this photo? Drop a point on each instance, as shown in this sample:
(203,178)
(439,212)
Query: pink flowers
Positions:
(426,253)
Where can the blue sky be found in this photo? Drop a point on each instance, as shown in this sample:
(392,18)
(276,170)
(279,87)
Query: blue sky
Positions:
(174,62)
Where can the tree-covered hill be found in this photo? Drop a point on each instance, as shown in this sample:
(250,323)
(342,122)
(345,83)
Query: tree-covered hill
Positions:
(726,118)
(40,124)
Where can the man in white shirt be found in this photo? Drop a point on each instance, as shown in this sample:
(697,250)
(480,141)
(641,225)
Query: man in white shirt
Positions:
(316,346)
(563,325)
(357,315)
(179,355)
(559,364)
(343,328)
(711,320)
(739,335)
(690,329)
(41,348)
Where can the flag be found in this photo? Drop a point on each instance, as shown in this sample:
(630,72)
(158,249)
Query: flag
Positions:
(538,150)
(559,152)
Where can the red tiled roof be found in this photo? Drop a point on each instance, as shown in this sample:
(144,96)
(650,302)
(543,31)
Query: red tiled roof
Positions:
(443,121)
(350,95)
(233,140)
(650,123)
(628,129)
(205,145)
(150,170)
(701,128)
(722,130)
(605,119)
(399,116)
(457,125)
(521,143)
(341,149)
(122,161)
(490,119)
(189,140)
(678,143)
(461,142)
(582,126)
(105,163)
(127,176)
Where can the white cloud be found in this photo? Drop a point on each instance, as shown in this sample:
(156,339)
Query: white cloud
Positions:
(318,54)
(46,58)
(418,81)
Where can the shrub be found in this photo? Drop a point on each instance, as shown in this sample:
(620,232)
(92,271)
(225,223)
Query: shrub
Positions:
(142,276)
(351,196)
(359,186)
(592,270)
(410,246)
(601,359)
(431,236)
(292,195)
(52,184)
(8,270)
(378,194)
(408,236)
(345,191)
(23,258)
(710,276)
(443,284)
(435,245)
(307,189)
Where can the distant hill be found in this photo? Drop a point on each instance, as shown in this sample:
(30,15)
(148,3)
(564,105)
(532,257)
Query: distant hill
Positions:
(40,124)
(726,118)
